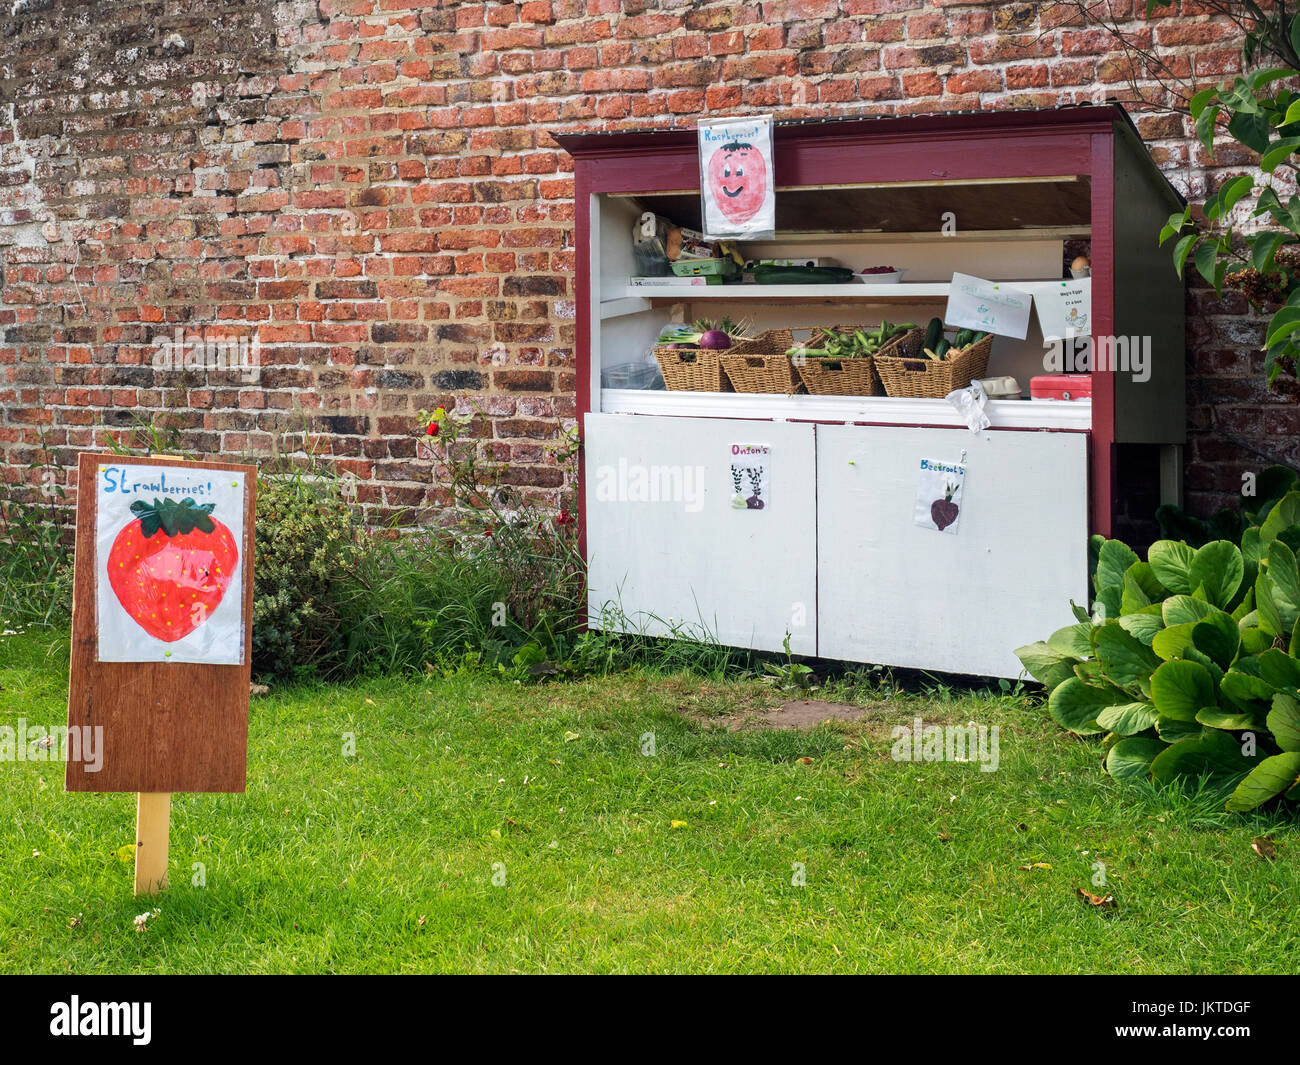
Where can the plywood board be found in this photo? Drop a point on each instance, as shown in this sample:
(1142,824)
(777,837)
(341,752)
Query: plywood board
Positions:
(894,593)
(745,577)
(167,726)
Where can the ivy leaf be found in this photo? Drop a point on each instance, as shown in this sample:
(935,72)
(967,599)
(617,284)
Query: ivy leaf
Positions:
(1278,153)
(1205,127)
(1265,247)
(1252,128)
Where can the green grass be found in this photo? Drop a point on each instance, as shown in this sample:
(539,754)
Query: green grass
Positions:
(383,862)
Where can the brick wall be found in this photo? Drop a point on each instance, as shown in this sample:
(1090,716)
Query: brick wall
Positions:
(367,189)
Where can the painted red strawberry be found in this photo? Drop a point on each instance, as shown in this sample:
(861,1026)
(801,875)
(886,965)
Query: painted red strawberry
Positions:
(943,512)
(171,566)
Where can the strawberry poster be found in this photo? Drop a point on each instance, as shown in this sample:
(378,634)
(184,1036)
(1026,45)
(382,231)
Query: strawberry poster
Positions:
(939,495)
(168,564)
(737,187)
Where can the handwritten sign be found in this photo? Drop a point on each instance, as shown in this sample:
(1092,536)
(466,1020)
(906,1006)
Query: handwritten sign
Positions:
(750,470)
(992,306)
(163,564)
(737,179)
(168,551)
(1064,307)
(939,495)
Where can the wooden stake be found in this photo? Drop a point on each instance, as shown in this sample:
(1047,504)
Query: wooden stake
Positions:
(153,815)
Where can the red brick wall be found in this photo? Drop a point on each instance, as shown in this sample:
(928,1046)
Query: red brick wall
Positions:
(368,189)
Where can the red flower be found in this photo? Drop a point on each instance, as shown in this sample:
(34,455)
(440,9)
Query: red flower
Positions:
(487,531)
(432,430)
(565,518)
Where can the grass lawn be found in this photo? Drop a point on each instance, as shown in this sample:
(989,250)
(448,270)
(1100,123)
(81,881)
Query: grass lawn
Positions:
(384,862)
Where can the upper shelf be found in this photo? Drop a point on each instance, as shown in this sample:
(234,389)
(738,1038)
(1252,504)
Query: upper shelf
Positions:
(899,293)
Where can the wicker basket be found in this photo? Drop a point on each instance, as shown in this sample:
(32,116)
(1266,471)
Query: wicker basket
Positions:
(841,377)
(855,376)
(902,374)
(692,370)
(760,363)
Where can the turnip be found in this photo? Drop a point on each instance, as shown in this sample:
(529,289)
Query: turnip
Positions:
(715,340)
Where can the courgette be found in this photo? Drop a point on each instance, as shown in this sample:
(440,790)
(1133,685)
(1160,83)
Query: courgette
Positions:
(933,334)
(942,349)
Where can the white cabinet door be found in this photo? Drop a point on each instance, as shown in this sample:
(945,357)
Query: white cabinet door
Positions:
(666,546)
(894,593)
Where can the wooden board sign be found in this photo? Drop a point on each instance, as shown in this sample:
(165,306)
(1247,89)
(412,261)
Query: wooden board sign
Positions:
(162,633)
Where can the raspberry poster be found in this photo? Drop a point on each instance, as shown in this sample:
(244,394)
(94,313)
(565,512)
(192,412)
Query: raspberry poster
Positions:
(168,564)
(737,188)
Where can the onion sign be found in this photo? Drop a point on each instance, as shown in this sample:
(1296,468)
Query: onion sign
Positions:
(738,177)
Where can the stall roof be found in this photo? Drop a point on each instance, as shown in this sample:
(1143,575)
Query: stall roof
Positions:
(1099,117)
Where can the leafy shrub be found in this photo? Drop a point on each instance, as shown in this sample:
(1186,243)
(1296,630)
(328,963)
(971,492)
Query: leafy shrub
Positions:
(35,551)
(1189,663)
(310,551)
(1226,523)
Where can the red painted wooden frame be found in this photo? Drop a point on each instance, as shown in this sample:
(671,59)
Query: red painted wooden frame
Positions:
(1076,141)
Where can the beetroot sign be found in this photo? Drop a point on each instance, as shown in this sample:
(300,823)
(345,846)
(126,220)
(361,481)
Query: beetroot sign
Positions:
(737,182)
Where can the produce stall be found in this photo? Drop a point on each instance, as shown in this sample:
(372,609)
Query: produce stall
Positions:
(790,448)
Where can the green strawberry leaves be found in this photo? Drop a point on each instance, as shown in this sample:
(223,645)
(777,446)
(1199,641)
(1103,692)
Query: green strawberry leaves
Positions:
(173,518)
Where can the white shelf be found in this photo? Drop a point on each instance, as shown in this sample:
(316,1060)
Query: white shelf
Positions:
(874,410)
(849,291)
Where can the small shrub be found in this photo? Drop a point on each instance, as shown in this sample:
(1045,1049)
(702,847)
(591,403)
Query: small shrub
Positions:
(35,550)
(310,556)
(1189,662)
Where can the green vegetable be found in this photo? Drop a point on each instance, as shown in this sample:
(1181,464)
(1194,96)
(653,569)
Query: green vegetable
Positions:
(933,333)
(943,348)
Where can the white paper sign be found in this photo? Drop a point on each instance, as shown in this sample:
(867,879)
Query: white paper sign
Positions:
(169,565)
(939,495)
(1064,308)
(993,306)
(750,469)
(737,184)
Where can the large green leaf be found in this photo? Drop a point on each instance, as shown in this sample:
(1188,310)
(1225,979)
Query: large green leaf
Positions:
(1285,512)
(1171,730)
(1074,641)
(1173,642)
(1180,689)
(1131,758)
(1232,720)
(1214,754)
(1278,668)
(1171,561)
(1284,584)
(1045,665)
(1075,706)
(1277,153)
(1180,609)
(1270,778)
(1143,624)
(1284,721)
(1126,661)
(1243,684)
(1218,637)
(1251,128)
(1218,569)
(1141,588)
(1127,719)
(1113,562)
